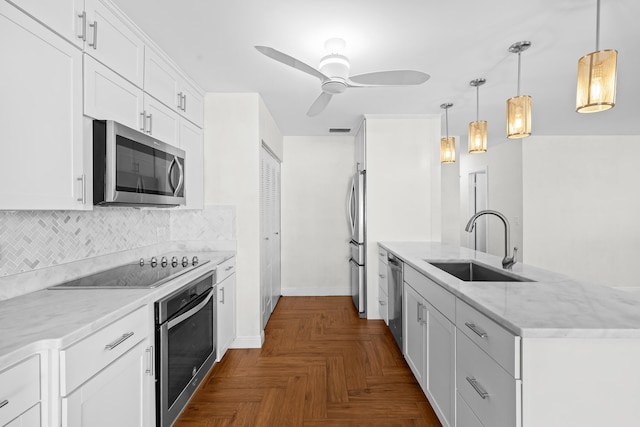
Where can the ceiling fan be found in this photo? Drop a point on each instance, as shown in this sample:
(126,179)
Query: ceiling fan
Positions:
(334,76)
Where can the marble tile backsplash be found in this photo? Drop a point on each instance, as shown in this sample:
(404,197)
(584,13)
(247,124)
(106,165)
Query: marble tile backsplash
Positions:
(31,240)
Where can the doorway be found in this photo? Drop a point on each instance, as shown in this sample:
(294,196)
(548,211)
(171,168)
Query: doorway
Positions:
(478,201)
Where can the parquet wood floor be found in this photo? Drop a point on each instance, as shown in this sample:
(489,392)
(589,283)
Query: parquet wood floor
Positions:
(320,365)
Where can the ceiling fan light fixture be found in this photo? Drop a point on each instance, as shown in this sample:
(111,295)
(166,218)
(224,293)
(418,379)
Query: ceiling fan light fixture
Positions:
(596,89)
(447,144)
(478,129)
(335,65)
(519,107)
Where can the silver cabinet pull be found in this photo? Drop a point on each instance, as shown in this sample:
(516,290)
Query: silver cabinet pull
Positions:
(119,341)
(479,332)
(228,268)
(419,319)
(423,320)
(149,351)
(381,276)
(4,403)
(143,121)
(150,117)
(180,101)
(94,45)
(84,189)
(382,302)
(222,295)
(83,33)
(477,387)
(184,102)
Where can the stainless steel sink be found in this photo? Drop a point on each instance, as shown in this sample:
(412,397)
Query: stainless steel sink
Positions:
(470,271)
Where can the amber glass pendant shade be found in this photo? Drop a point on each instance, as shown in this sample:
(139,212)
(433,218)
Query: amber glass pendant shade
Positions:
(478,137)
(448,149)
(596,81)
(519,117)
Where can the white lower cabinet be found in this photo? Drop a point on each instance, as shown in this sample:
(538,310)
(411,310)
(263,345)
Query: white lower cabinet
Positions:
(226,325)
(31,418)
(20,394)
(383,292)
(107,378)
(430,352)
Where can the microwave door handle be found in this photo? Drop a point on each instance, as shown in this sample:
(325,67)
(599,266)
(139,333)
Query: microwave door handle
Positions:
(181,180)
(171,165)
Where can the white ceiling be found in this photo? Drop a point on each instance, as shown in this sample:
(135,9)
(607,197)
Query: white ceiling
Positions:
(455,41)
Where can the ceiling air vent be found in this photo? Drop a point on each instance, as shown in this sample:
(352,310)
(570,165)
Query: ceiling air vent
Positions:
(339,130)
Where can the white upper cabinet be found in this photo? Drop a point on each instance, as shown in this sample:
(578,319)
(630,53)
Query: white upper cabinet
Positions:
(165,83)
(111,41)
(108,96)
(192,142)
(161,122)
(65,17)
(41,110)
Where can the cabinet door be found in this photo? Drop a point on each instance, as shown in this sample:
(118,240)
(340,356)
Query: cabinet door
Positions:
(226,314)
(192,106)
(192,142)
(41,109)
(111,41)
(107,96)
(65,17)
(161,122)
(161,79)
(119,395)
(31,418)
(414,337)
(440,378)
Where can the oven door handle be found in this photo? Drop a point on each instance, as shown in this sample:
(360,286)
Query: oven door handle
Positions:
(184,316)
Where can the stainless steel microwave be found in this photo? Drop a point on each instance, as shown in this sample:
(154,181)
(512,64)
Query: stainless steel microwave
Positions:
(131,168)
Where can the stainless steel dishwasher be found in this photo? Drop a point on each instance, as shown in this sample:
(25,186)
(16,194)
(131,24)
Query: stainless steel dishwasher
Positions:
(395,279)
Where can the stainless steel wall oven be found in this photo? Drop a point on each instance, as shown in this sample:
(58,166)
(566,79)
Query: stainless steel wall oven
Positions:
(186,345)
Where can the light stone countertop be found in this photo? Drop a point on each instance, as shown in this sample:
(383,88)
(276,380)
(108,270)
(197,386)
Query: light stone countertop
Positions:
(553,306)
(50,319)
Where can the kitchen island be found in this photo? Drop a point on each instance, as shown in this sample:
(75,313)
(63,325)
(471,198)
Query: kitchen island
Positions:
(552,351)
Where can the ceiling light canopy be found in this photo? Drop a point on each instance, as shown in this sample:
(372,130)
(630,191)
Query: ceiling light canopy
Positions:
(519,107)
(597,77)
(447,144)
(478,129)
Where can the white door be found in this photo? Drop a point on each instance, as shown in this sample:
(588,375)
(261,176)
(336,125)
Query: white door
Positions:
(63,16)
(269,233)
(477,203)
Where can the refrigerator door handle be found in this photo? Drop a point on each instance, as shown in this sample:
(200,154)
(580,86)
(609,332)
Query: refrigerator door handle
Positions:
(350,207)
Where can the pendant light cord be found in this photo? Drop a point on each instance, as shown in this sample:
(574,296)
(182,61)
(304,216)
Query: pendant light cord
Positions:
(446,120)
(477,103)
(598,26)
(518,74)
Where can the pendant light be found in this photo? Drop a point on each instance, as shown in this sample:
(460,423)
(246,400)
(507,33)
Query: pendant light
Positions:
(448,144)
(597,77)
(519,107)
(478,129)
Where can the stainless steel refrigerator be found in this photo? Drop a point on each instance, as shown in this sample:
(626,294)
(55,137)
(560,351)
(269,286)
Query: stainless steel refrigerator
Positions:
(357,222)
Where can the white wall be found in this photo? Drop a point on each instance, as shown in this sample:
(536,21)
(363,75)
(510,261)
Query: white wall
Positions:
(232,177)
(315,233)
(503,163)
(581,206)
(403,186)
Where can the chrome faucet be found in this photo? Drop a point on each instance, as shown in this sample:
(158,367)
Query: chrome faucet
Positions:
(507,261)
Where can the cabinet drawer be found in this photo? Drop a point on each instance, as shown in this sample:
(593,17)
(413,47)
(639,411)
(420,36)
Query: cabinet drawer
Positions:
(383,303)
(19,388)
(464,415)
(490,392)
(225,269)
(497,342)
(382,255)
(85,358)
(443,300)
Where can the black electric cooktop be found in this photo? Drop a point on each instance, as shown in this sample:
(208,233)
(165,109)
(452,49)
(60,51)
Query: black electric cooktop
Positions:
(142,275)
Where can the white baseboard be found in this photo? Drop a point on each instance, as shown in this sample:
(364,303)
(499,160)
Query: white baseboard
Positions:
(315,292)
(248,341)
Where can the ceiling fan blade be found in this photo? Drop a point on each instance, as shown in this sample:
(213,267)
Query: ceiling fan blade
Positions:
(390,78)
(319,104)
(290,61)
